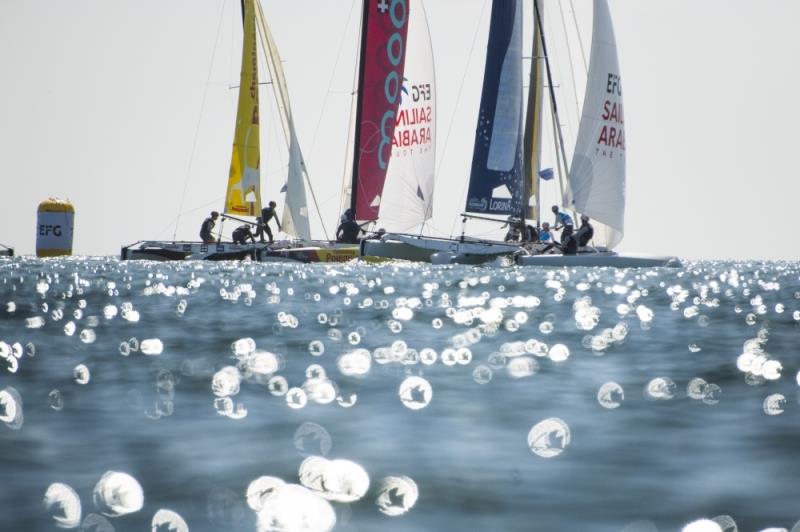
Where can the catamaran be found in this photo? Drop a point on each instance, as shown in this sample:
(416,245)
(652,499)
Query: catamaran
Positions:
(6,251)
(389,185)
(243,196)
(506,172)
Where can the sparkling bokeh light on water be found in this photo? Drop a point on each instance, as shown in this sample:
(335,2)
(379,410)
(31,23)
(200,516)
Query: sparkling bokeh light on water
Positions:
(356,397)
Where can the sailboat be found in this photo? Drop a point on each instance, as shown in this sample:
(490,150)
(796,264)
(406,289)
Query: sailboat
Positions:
(243,192)
(497,160)
(505,174)
(390,184)
(596,176)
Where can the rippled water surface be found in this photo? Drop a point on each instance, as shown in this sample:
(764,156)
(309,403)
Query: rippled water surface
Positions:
(238,396)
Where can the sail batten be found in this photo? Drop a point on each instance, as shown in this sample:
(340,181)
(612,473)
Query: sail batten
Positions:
(243,195)
(597,172)
(496,181)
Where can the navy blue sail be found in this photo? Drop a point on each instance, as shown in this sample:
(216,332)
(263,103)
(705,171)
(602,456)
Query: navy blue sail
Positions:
(496,183)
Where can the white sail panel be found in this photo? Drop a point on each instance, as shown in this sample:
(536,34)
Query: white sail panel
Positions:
(408,189)
(597,173)
(295,212)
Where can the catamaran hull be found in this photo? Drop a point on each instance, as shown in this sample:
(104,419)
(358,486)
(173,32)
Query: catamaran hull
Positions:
(325,253)
(600,259)
(280,252)
(169,251)
(434,250)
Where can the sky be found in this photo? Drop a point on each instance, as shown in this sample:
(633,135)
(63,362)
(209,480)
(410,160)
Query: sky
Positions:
(126,108)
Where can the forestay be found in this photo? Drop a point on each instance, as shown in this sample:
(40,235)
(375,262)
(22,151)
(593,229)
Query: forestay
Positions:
(597,173)
(408,190)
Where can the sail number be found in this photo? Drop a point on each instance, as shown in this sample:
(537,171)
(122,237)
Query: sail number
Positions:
(395,48)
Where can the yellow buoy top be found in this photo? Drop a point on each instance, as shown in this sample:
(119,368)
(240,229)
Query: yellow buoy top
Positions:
(56,205)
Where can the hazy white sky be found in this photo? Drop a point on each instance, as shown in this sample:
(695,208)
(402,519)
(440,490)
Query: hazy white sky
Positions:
(125,108)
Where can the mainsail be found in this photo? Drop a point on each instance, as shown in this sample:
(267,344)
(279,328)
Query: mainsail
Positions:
(496,181)
(244,184)
(295,219)
(407,196)
(383,50)
(597,173)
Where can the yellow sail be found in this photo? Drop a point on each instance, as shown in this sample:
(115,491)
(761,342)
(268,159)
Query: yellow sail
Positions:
(244,184)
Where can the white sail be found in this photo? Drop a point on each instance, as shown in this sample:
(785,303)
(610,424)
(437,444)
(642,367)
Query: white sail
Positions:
(597,173)
(408,190)
(295,212)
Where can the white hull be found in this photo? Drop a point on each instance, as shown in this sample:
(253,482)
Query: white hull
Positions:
(436,250)
(597,259)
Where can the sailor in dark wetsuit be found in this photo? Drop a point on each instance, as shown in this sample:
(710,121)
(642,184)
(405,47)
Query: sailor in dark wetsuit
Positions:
(585,232)
(563,222)
(513,234)
(267,213)
(207,227)
(348,231)
(242,233)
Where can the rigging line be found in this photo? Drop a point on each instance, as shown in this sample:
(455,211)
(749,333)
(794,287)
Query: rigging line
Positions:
(580,39)
(333,74)
(453,117)
(569,57)
(199,121)
(347,172)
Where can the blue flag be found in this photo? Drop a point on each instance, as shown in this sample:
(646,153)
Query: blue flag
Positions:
(546,174)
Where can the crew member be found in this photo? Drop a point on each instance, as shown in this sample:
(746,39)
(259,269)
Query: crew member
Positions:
(513,234)
(377,235)
(585,231)
(207,227)
(242,233)
(348,231)
(563,223)
(267,213)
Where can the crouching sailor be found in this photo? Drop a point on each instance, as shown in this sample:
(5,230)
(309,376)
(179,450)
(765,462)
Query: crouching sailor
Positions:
(242,233)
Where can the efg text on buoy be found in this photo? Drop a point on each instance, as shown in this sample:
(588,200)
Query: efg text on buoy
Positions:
(54,226)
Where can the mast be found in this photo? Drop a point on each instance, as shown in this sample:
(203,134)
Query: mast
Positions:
(359,91)
(552,91)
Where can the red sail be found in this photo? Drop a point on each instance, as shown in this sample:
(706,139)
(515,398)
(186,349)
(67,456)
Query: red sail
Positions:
(380,89)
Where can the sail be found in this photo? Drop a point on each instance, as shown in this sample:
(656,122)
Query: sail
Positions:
(383,50)
(408,190)
(597,173)
(244,184)
(496,182)
(295,219)
(533,127)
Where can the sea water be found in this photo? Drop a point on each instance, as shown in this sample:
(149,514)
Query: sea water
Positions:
(398,397)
